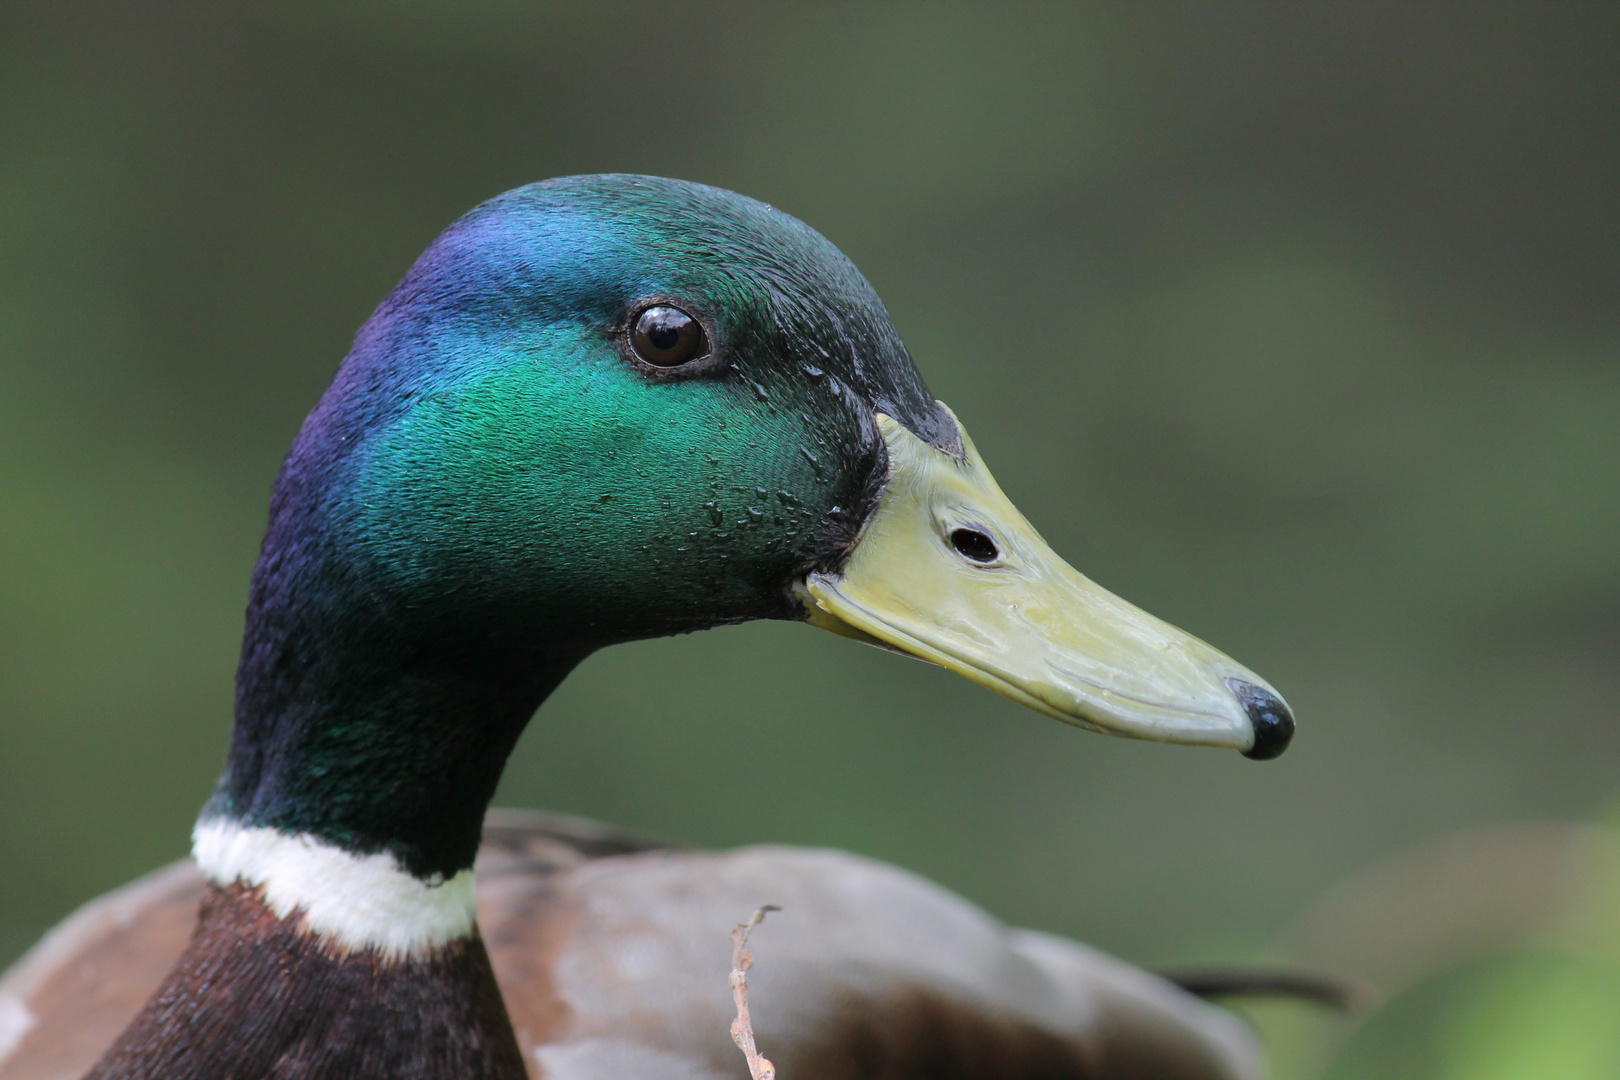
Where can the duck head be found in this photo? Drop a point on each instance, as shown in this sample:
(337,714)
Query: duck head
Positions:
(606,408)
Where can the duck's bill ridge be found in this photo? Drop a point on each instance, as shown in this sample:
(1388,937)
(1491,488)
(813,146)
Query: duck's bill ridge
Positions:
(1000,607)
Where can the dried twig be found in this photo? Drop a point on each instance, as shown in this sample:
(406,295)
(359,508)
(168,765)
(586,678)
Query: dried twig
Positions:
(742,1029)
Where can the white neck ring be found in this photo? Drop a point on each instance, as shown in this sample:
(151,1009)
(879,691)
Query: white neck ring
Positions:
(356,902)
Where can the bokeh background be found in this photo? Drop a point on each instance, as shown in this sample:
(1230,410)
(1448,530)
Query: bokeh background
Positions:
(1297,324)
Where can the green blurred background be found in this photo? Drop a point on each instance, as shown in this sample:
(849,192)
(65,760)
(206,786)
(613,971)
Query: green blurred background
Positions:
(1297,324)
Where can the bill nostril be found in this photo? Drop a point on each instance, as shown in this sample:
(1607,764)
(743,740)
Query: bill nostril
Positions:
(1272,722)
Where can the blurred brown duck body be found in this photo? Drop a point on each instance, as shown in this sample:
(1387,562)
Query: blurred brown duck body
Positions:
(611,956)
(596,410)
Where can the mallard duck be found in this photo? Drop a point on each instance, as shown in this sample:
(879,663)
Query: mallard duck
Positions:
(601,409)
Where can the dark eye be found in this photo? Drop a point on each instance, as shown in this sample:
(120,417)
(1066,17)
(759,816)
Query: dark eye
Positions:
(668,337)
(974,545)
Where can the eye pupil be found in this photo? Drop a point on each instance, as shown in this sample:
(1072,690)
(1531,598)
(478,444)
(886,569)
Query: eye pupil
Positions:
(974,545)
(666,336)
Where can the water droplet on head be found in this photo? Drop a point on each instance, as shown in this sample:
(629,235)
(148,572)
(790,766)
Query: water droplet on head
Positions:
(815,463)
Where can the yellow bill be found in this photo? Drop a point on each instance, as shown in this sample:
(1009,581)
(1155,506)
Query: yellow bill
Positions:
(949,571)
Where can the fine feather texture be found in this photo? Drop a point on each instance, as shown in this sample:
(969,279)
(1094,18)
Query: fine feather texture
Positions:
(353,902)
(255,994)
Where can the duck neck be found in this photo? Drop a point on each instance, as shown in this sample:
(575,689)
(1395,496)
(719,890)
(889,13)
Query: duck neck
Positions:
(371,732)
(338,936)
(379,741)
(358,778)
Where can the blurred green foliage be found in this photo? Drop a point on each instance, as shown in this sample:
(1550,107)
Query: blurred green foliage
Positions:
(1541,1003)
(1295,324)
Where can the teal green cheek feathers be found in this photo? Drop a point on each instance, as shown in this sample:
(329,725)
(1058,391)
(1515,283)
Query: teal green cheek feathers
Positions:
(494,432)
(557,476)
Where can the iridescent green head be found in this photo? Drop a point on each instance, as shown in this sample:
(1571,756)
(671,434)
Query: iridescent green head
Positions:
(498,444)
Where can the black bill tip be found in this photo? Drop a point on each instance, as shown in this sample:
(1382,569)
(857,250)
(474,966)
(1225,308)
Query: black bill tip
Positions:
(1272,722)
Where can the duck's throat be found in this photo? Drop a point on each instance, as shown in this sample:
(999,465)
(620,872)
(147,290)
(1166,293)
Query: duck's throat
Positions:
(260,993)
(381,742)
